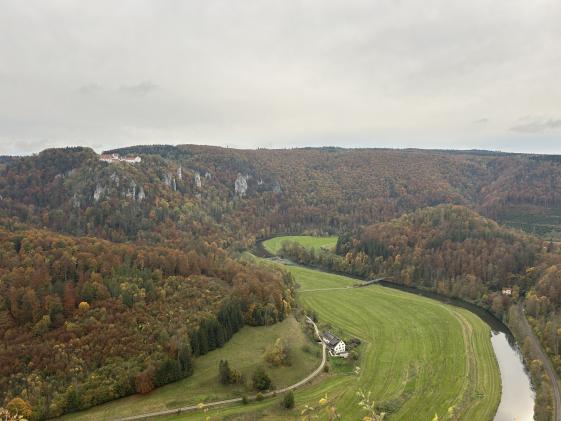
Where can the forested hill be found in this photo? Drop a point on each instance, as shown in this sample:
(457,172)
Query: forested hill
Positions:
(449,248)
(230,196)
(84,321)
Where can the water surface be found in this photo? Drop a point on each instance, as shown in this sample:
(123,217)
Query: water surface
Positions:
(517,398)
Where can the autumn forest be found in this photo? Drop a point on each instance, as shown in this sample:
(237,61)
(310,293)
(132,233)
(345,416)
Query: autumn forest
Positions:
(114,277)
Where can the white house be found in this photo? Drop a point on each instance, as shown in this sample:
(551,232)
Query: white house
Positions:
(336,346)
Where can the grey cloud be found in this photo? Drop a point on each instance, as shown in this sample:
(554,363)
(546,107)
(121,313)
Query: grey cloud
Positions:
(142,88)
(529,125)
(435,74)
(90,88)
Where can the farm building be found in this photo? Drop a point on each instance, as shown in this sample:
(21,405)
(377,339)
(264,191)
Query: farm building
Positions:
(336,346)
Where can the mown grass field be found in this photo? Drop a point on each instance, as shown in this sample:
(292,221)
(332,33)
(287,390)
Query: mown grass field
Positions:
(243,352)
(419,357)
(274,244)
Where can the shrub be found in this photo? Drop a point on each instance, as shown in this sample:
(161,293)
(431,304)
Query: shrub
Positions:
(259,397)
(288,400)
(228,375)
(245,400)
(261,380)
(17,406)
(326,368)
(236,377)
(278,354)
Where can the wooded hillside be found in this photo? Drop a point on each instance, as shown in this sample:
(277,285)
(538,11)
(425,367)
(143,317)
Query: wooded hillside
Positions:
(128,270)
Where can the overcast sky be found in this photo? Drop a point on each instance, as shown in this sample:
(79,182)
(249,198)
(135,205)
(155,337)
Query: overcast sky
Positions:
(381,73)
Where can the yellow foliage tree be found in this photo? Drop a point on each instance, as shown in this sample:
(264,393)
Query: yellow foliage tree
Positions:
(18,406)
(83,306)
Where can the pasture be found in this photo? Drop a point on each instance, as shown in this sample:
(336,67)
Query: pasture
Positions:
(419,357)
(274,244)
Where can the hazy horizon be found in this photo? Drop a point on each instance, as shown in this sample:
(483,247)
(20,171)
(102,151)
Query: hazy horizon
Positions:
(276,74)
(99,151)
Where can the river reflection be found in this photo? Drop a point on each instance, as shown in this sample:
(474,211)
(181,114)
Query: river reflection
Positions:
(517,398)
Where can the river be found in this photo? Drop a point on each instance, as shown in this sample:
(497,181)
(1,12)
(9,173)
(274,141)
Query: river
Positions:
(517,395)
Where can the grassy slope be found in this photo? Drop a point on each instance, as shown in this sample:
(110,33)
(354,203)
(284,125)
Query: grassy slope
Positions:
(274,244)
(244,352)
(422,355)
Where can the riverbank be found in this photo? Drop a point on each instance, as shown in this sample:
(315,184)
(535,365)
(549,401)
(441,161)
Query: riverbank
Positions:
(515,398)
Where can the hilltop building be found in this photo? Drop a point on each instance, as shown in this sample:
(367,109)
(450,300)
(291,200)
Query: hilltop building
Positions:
(114,157)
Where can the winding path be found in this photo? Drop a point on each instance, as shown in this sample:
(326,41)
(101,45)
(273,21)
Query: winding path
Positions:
(538,350)
(202,406)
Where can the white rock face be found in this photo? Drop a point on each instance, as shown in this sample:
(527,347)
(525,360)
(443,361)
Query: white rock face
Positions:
(179,173)
(240,185)
(208,176)
(75,201)
(115,178)
(131,191)
(98,193)
(167,180)
(198,182)
(141,196)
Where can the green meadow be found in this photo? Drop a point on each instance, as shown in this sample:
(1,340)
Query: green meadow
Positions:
(274,244)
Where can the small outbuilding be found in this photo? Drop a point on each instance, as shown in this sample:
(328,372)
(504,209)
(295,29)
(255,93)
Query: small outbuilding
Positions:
(507,291)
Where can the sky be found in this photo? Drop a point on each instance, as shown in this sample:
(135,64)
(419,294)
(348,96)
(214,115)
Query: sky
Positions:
(451,74)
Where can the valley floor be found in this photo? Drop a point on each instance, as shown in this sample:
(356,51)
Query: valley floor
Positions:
(418,358)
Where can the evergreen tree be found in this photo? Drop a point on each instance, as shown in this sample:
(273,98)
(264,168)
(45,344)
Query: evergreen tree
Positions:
(185,358)
(261,380)
(224,372)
